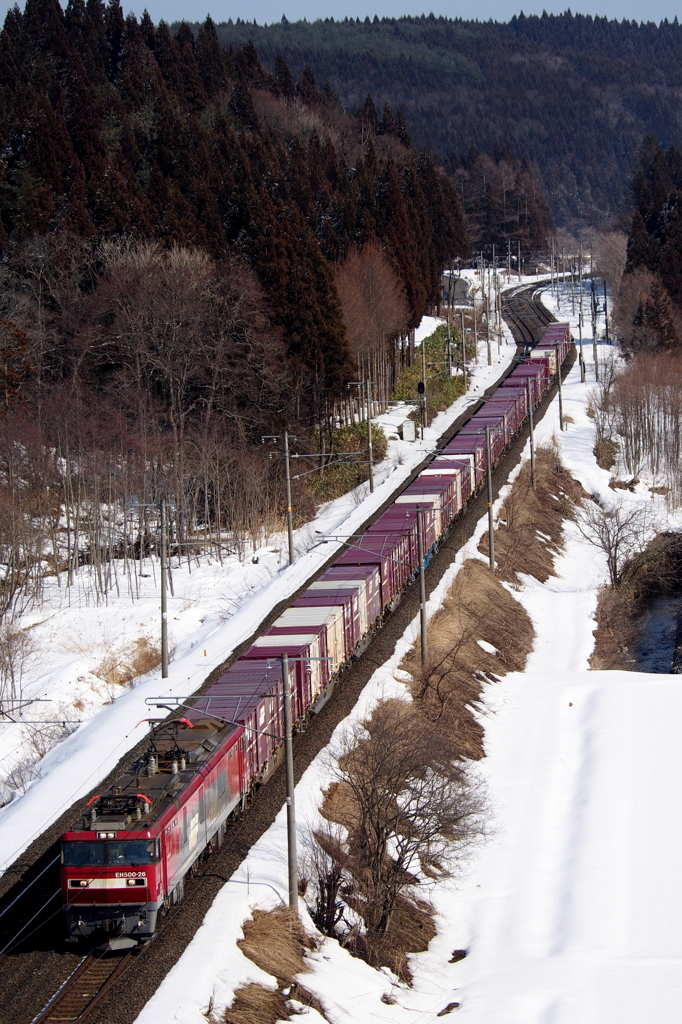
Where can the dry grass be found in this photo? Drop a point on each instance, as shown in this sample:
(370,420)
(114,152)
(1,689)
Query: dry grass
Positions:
(254,1004)
(530,523)
(606,453)
(276,942)
(120,668)
(478,608)
(616,626)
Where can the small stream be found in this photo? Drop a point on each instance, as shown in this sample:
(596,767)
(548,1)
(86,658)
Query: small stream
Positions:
(660,635)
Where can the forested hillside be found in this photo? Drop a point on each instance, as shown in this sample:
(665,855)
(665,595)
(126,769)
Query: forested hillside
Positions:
(194,252)
(571,93)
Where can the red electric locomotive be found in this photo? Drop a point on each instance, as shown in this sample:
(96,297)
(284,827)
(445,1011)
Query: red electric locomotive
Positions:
(130,853)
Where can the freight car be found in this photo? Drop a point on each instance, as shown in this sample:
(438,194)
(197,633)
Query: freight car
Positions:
(126,860)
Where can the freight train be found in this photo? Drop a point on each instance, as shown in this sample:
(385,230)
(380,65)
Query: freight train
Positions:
(126,860)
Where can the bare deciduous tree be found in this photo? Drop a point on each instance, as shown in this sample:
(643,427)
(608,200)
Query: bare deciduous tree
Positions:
(622,531)
(413,807)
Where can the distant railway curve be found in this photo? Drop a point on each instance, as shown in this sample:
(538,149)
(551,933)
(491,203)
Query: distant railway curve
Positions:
(526,315)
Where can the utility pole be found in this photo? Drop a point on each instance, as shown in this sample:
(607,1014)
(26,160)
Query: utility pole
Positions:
(290,519)
(532,434)
(475,332)
(287,480)
(491,530)
(422,586)
(369,438)
(423,393)
(519,258)
(464,361)
(291,806)
(164,610)
(582,358)
(561,396)
(449,349)
(606,316)
(487,329)
(594,333)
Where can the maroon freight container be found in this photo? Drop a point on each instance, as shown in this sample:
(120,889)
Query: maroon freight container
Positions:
(477,428)
(474,447)
(307,665)
(348,602)
(400,524)
(365,581)
(388,553)
(538,373)
(249,693)
(459,469)
(443,491)
(325,621)
(431,519)
(520,393)
(490,414)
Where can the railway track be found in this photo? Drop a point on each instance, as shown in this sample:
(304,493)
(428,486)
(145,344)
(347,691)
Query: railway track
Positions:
(526,315)
(82,990)
(89,987)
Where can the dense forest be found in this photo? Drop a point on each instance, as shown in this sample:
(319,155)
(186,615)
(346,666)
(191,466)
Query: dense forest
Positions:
(569,93)
(645,268)
(195,252)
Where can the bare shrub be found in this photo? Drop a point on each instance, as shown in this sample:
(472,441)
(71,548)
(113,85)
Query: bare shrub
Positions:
(120,668)
(325,865)
(606,453)
(413,807)
(16,646)
(16,781)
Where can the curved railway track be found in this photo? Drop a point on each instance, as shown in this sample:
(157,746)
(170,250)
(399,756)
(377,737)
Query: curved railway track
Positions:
(526,315)
(56,983)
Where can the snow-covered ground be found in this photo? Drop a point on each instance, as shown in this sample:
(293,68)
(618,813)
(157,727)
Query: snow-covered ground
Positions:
(571,914)
(215,607)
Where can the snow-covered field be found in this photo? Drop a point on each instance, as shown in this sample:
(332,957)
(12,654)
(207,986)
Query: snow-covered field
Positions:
(571,913)
(215,607)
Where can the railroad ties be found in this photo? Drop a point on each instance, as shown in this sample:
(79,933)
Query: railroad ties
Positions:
(83,989)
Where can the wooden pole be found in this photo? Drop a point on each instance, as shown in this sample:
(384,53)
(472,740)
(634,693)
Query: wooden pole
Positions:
(164,610)
(290,519)
(532,435)
(491,530)
(290,798)
(422,587)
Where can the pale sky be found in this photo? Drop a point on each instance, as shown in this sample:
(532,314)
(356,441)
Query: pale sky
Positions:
(268,11)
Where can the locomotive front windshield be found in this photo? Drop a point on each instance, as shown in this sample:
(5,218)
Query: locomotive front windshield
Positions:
(130,853)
